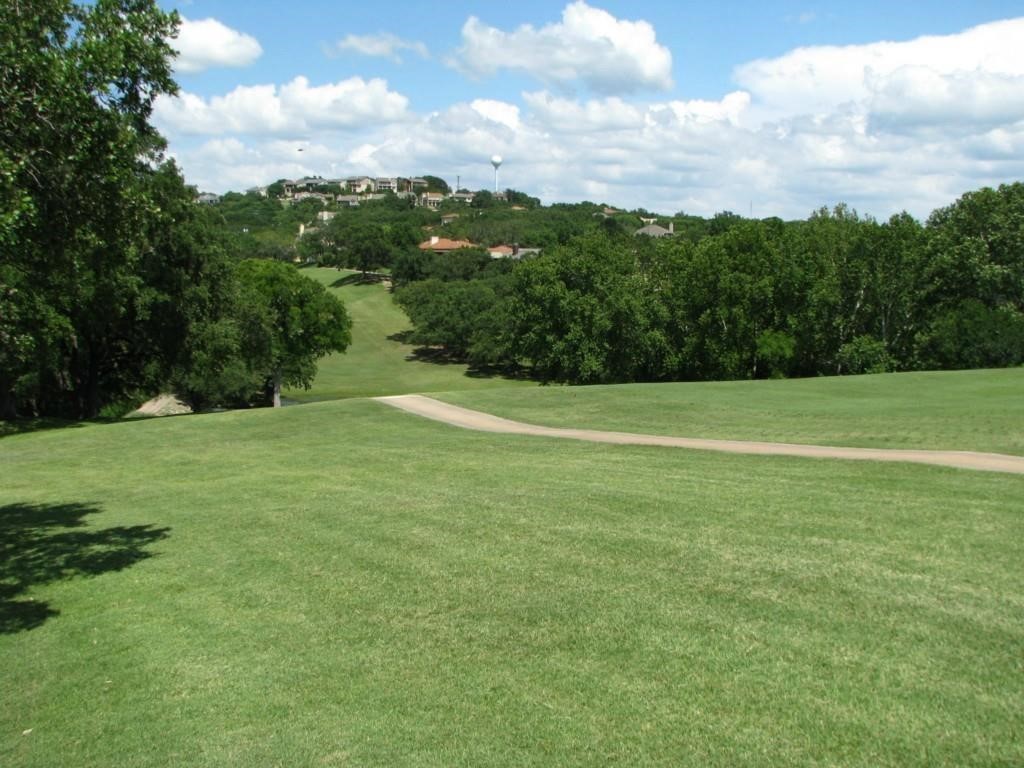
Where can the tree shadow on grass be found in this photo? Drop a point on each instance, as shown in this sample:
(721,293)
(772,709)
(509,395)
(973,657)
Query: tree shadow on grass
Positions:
(43,543)
(21,426)
(370,278)
(441,356)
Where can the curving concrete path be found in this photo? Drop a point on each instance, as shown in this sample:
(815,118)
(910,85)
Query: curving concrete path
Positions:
(485,422)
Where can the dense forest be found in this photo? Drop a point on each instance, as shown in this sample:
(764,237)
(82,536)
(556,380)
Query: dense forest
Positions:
(115,283)
(737,298)
(721,298)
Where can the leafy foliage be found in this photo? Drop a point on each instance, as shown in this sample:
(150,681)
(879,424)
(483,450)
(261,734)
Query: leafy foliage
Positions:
(834,294)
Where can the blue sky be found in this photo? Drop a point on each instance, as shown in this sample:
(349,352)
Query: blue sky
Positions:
(777,108)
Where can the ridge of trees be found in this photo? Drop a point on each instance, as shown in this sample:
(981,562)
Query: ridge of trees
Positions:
(834,294)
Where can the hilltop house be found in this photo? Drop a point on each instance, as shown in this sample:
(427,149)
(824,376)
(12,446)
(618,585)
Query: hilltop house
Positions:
(430,199)
(653,230)
(359,184)
(444,245)
(511,251)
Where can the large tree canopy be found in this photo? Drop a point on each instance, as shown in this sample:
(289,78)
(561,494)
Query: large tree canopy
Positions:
(837,293)
(294,321)
(79,205)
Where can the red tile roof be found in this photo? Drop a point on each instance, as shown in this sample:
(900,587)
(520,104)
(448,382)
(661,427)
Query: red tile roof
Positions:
(444,244)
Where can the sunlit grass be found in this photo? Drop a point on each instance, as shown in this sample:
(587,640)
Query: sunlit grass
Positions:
(344,584)
(957,410)
(378,362)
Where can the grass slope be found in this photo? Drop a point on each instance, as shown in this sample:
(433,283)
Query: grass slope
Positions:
(956,410)
(344,584)
(375,364)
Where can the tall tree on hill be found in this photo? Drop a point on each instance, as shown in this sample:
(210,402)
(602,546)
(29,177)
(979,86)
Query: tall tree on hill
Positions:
(291,323)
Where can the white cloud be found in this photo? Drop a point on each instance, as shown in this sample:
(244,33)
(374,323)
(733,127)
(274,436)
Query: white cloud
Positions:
(937,70)
(294,107)
(208,43)
(385,45)
(882,127)
(498,111)
(589,46)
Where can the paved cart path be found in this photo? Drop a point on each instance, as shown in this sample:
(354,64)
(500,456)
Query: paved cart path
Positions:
(485,422)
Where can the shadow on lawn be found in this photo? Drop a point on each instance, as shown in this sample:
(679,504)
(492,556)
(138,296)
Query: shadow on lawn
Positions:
(441,356)
(42,543)
(370,278)
(21,426)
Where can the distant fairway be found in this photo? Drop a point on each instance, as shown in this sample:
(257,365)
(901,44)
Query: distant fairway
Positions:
(376,364)
(344,584)
(951,410)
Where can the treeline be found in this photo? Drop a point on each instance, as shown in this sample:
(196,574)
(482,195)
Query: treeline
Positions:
(114,284)
(834,294)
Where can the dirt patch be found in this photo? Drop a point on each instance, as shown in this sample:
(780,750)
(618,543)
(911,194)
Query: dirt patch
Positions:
(162,405)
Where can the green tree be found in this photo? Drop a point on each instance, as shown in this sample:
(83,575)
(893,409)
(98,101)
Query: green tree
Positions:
(974,282)
(77,85)
(436,184)
(293,321)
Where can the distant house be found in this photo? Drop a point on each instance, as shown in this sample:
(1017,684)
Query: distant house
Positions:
(352,201)
(501,251)
(385,185)
(444,245)
(326,216)
(311,196)
(306,184)
(208,198)
(359,184)
(430,200)
(511,252)
(462,197)
(653,230)
(448,218)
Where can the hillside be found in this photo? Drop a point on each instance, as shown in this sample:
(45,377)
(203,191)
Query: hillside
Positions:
(378,362)
(341,583)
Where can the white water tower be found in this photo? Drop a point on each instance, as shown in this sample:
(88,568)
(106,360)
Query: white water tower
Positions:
(496,162)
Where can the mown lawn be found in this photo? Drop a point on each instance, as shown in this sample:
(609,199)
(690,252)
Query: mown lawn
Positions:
(377,362)
(344,584)
(956,410)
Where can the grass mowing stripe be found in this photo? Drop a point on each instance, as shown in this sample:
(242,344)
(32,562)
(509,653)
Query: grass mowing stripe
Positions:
(340,584)
(953,410)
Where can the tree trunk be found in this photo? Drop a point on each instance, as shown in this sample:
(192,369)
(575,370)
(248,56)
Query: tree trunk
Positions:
(277,390)
(8,404)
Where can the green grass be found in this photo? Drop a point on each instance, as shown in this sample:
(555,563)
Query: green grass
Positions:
(375,364)
(345,584)
(957,410)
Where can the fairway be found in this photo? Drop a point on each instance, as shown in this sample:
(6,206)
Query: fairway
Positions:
(949,410)
(377,363)
(344,584)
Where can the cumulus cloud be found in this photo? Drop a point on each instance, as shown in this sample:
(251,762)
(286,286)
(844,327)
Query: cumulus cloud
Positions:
(294,107)
(497,111)
(882,127)
(208,43)
(589,46)
(384,45)
(933,69)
